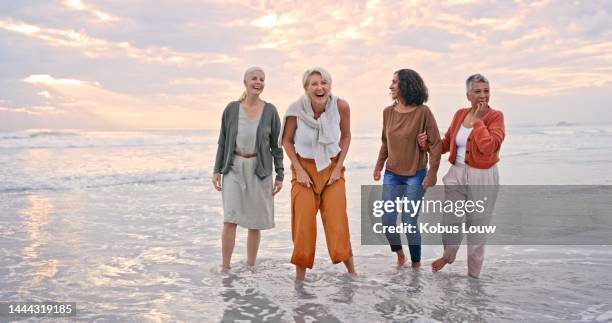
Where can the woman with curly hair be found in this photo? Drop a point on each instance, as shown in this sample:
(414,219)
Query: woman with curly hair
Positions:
(406,174)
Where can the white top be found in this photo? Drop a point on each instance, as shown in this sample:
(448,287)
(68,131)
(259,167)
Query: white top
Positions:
(304,136)
(317,139)
(247,132)
(461,141)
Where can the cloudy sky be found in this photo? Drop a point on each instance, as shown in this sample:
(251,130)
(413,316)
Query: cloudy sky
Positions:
(175,64)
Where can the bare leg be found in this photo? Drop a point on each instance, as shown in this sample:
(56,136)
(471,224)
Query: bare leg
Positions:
(252,246)
(228,239)
(300,273)
(350,266)
(401,258)
(475,260)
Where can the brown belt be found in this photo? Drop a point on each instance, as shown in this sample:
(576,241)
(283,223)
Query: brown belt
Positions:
(245,155)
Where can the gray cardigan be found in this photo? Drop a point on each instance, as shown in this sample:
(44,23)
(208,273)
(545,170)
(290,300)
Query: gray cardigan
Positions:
(266,143)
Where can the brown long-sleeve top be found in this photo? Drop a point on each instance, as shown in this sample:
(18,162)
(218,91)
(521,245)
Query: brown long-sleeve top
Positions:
(400,147)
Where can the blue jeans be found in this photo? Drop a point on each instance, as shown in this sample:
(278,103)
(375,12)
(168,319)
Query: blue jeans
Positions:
(411,187)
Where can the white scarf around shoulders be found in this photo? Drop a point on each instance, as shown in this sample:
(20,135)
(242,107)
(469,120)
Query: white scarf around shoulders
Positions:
(326,128)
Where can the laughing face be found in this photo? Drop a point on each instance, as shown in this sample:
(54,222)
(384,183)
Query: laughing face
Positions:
(255,82)
(318,89)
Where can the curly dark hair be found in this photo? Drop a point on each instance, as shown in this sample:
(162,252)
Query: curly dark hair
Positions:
(412,89)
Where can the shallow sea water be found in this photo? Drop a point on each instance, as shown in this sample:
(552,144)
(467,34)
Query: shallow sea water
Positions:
(129,228)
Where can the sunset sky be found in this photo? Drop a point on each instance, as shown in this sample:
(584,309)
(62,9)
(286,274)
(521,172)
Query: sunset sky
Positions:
(175,64)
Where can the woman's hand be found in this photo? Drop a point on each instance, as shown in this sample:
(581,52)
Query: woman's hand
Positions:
(481,110)
(277,187)
(429,180)
(422,140)
(376,175)
(335,175)
(302,177)
(216,180)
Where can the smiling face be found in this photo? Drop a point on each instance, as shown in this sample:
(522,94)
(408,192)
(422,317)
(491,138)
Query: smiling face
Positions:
(318,89)
(394,87)
(479,92)
(255,82)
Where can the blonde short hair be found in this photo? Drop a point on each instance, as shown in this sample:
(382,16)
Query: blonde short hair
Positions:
(316,70)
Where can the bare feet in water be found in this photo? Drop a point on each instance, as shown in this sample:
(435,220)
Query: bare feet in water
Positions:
(416,265)
(401,258)
(350,266)
(438,264)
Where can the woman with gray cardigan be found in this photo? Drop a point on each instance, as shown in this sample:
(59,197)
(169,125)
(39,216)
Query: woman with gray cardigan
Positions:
(247,148)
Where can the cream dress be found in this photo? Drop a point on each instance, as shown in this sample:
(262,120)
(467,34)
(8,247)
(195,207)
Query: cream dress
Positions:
(247,199)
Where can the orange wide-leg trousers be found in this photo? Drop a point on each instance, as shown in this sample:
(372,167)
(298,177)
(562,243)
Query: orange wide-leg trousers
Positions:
(305,202)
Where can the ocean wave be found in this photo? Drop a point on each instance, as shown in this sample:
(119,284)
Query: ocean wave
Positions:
(365,135)
(554,132)
(94,145)
(65,139)
(87,182)
(22,189)
(53,134)
(563,132)
(350,164)
(517,154)
(36,134)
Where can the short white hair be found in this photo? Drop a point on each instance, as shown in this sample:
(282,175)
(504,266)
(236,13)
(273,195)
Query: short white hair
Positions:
(316,70)
(251,70)
(472,79)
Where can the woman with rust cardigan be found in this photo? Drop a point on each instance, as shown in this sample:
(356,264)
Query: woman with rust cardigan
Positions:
(474,140)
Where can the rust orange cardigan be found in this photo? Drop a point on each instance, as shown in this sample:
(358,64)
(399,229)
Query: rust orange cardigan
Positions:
(484,142)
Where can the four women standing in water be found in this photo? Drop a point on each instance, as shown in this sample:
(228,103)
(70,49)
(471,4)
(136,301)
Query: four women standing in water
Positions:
(316,136)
